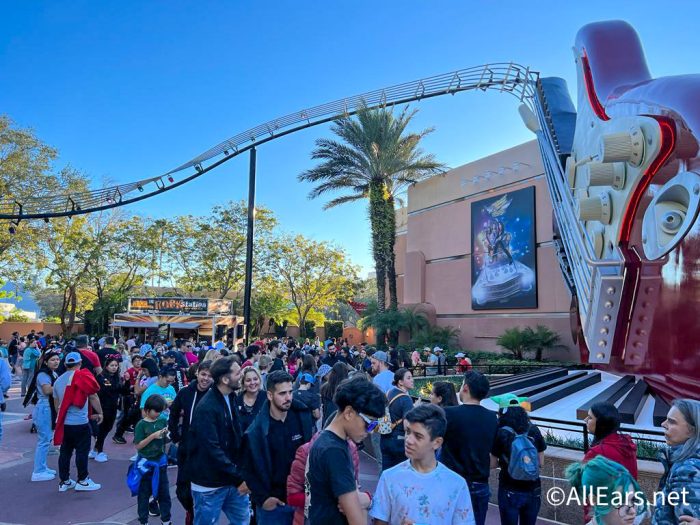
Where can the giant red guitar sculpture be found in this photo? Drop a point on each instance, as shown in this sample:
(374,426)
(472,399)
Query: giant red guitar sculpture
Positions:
(626,192)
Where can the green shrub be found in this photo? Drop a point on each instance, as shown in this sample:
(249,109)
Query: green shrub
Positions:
(333,329)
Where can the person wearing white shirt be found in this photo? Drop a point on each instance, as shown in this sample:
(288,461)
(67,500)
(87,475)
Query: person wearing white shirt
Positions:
(420,490)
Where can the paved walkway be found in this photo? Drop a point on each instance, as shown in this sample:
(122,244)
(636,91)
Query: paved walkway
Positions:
(25,503)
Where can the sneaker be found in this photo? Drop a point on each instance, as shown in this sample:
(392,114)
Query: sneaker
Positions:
(51,470)
(87,485)
(166,523)
(129,430)
(53,451)
(119,440)
(92,454)
(101,457)
(153,508)
(63,486)
(134,457)
(43,476)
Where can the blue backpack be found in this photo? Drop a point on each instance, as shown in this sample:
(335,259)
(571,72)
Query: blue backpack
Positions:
(524,462)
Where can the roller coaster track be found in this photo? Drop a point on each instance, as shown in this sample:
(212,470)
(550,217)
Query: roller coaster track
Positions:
(511,78)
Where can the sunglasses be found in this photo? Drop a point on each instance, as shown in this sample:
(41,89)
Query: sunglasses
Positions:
(370,424)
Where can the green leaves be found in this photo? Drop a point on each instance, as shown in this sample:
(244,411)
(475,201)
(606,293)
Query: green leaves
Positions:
(376,159)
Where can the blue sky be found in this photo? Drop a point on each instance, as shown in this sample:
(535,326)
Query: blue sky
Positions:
(127,90)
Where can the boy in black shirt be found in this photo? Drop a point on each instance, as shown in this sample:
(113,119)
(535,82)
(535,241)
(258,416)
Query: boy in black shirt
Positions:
(331,474)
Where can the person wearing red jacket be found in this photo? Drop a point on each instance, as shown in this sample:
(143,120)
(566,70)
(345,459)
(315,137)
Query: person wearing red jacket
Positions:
(603,421)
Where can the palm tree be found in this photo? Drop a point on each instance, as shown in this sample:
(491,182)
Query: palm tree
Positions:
(543,339)
(375,160)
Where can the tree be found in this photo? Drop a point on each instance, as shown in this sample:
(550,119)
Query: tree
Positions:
(268,302)
(18,316)
(542,339)
(315,275)
(376,160)
(516,340)
(211,250)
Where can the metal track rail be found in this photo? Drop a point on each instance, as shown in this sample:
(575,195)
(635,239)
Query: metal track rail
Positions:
(511,78)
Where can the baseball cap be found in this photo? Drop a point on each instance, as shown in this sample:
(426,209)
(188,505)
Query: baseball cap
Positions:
(308,378)
(511,400)
(437,349)
(460,354)
(381,356)
(74,358)
(170,354)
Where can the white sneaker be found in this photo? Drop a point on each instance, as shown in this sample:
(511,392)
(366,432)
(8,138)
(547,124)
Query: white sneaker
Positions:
(51,470)
(87,485)
(43,476)
(92,454)
(101,457)
(64,486)
(134,457)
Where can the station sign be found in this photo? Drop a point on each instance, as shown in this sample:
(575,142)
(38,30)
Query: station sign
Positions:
(179,305)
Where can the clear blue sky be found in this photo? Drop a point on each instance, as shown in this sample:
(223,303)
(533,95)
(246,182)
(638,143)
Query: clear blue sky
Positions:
(127,90)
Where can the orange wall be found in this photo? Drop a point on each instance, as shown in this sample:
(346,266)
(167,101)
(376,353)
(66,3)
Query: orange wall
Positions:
(6,328)
(434,250)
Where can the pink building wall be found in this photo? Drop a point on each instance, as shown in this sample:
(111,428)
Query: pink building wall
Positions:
(433,250)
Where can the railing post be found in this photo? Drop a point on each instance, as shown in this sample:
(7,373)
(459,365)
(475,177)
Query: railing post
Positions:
(585,438)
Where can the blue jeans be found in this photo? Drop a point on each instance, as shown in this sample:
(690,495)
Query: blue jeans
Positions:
(0,427)
(208,506)
(514,505)
(480,494)
(282,515)
(42,420)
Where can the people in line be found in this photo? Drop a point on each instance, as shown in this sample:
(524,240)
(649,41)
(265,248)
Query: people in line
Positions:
(444,394)
(251,399)
(111,390)
(43,414)
(335,497)
(149,437)
(617,498)
(339,372)
(518,449)
(73,391)
(681,460)
(179,421)
(399,403)
(420,489)
(269,446)
(214,446)
(471,430)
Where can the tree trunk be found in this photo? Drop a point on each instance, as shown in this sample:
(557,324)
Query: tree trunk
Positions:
(73,308)
(390,218)
(376,220)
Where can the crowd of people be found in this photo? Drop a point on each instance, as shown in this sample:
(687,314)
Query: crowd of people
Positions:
(271,434)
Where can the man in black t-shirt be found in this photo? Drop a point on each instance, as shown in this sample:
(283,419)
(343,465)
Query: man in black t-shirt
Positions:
(108,351)
(269,446)
(331,473)
(471,430)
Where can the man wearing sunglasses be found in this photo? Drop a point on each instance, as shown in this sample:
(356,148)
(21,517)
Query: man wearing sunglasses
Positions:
(331,473)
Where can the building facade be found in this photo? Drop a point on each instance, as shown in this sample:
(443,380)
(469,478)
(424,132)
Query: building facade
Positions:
(475,251)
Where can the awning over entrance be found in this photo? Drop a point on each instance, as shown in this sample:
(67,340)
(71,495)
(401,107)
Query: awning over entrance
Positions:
(135,324)
(185,326)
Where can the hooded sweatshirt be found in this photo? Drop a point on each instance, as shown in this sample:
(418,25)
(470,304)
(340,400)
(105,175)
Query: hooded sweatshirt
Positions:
(618,448)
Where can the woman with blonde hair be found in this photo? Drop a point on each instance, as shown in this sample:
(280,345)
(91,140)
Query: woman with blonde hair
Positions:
(251,398)
(212,355)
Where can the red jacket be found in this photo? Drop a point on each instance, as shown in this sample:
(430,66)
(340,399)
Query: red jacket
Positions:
(296,494)
(81,386)
(616,447)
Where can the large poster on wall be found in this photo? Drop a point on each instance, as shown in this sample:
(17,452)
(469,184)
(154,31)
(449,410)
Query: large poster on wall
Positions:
(504,257)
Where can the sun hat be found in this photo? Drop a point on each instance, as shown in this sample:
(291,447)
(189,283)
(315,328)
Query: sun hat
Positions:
(323,370)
